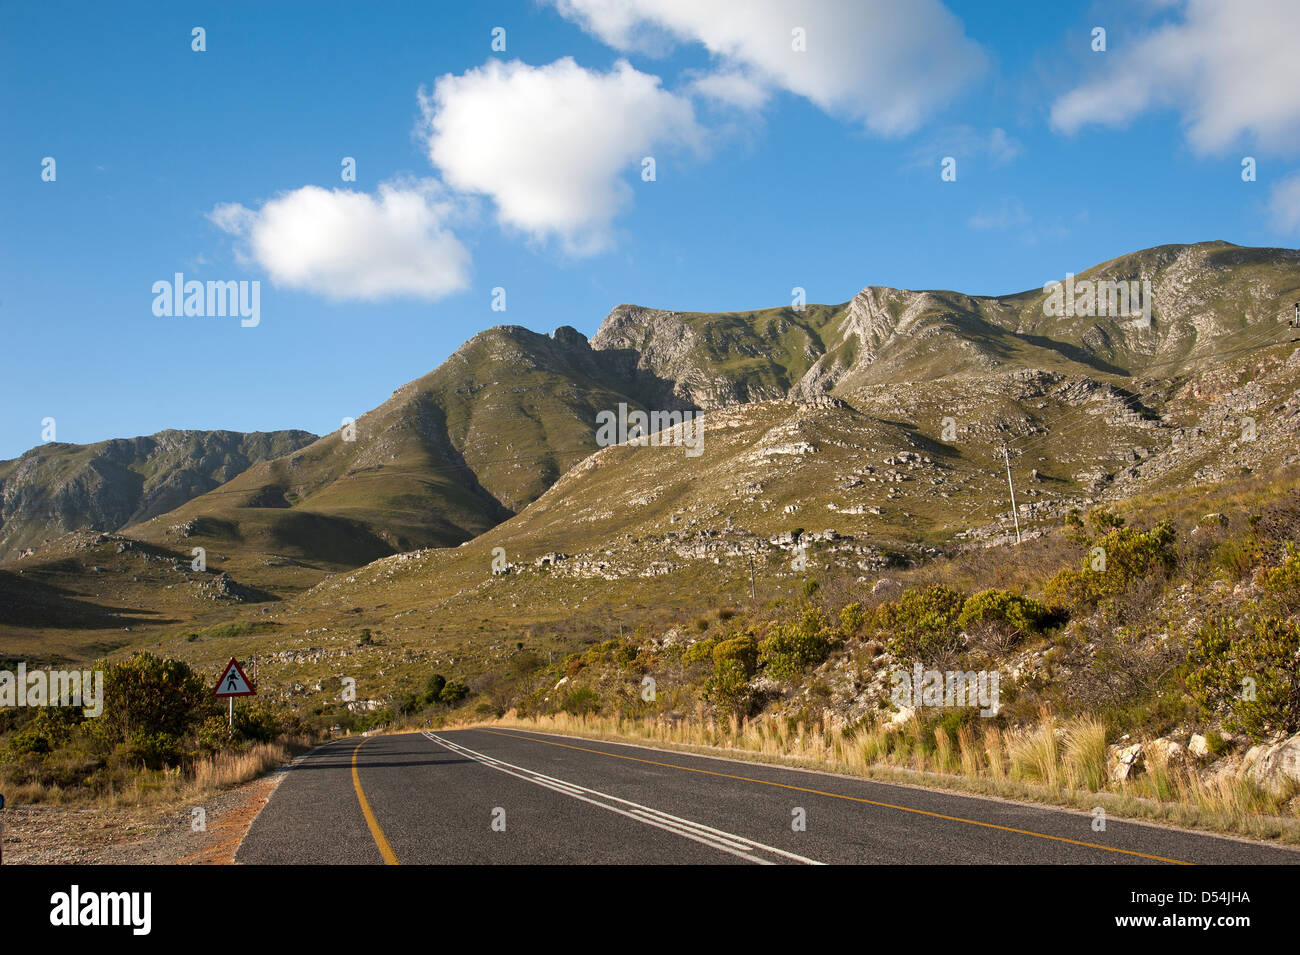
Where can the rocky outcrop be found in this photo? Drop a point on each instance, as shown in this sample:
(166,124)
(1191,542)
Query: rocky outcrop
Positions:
(1275,765)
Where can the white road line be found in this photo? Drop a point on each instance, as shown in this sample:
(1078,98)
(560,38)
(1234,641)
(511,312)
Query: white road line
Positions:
(719,839)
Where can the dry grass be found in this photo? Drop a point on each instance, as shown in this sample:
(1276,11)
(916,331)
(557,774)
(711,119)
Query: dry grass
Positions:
(1086,759)
(1035,754)
(144,787)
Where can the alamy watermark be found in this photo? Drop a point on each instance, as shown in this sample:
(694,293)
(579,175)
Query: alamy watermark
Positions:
(921,687)
(194,299)
(1088,299)
(653,428)
(84,688)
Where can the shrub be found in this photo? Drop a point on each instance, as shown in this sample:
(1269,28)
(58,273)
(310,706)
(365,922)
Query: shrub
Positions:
(922,624)
(741,650)
(147,698)
(152,750)
(257,723)
(1002,606)
(728,688)
(1130,555)
(215,734)
(29,741)
(581,702)
(1249,672)
(852,619)
(792,647)
(699,652)
(433,689)
(453,693)
(1282,583)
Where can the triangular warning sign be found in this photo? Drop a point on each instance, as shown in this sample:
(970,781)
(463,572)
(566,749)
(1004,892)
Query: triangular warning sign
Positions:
(233,682)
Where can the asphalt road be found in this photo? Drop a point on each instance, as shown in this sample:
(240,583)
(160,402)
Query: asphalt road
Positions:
(505,796)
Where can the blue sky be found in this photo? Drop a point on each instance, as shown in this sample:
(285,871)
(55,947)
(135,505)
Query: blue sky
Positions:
(521,169)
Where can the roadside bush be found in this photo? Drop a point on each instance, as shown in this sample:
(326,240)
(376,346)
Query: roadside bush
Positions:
(453,693)
(433,689)
(741,650)
(151,750)
(148,699)
(215,734)
(257,723)
(922,625)
(29,741)
(728,689)
(1249,671)
(1129,555)
(1022,614)
(581,702)
(789,649)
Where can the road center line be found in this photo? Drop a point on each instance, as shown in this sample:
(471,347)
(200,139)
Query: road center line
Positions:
(869,802)
(718,839)
(376,833)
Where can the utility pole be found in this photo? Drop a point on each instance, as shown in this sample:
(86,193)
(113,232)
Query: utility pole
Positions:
(753,593)
(1012,488)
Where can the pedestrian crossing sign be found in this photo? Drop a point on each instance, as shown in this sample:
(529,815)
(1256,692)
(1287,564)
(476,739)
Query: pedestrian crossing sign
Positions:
(233,682)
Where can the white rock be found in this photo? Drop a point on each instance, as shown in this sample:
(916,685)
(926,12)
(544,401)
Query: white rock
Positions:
(1274,764)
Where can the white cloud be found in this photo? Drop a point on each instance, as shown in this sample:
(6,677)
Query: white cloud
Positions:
(731,88)
(1009,213)
(885,63)
(965,142)
(1284,205)
(1230,69)
(550,144)
(354,245)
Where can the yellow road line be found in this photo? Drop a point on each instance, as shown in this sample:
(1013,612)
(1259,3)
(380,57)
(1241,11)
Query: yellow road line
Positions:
(870,802)
(381,841)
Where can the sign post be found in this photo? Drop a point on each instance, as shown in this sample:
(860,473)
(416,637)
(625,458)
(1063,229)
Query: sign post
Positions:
(233,683)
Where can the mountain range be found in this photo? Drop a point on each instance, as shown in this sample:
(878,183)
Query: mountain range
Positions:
(877,424)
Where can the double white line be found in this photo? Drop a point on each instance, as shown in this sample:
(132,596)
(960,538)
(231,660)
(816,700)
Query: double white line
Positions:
(727,842)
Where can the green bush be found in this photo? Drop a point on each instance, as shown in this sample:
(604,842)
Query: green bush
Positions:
(742,650)
(852,619)
(922,625)
(215,734)
(255,722)
(1129,554)
(453,693)
(581,702)
(433,689)
(29,741)
(1022,614)
(1282,583)
(151,750)
(1250,673)
(147,698)
(728,688)
(699,651)
(789,649)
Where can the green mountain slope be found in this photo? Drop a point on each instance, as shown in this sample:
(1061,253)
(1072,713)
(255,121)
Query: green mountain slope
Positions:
(57,487)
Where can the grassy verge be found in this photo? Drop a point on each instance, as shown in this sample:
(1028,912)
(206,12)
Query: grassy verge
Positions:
(200,779)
